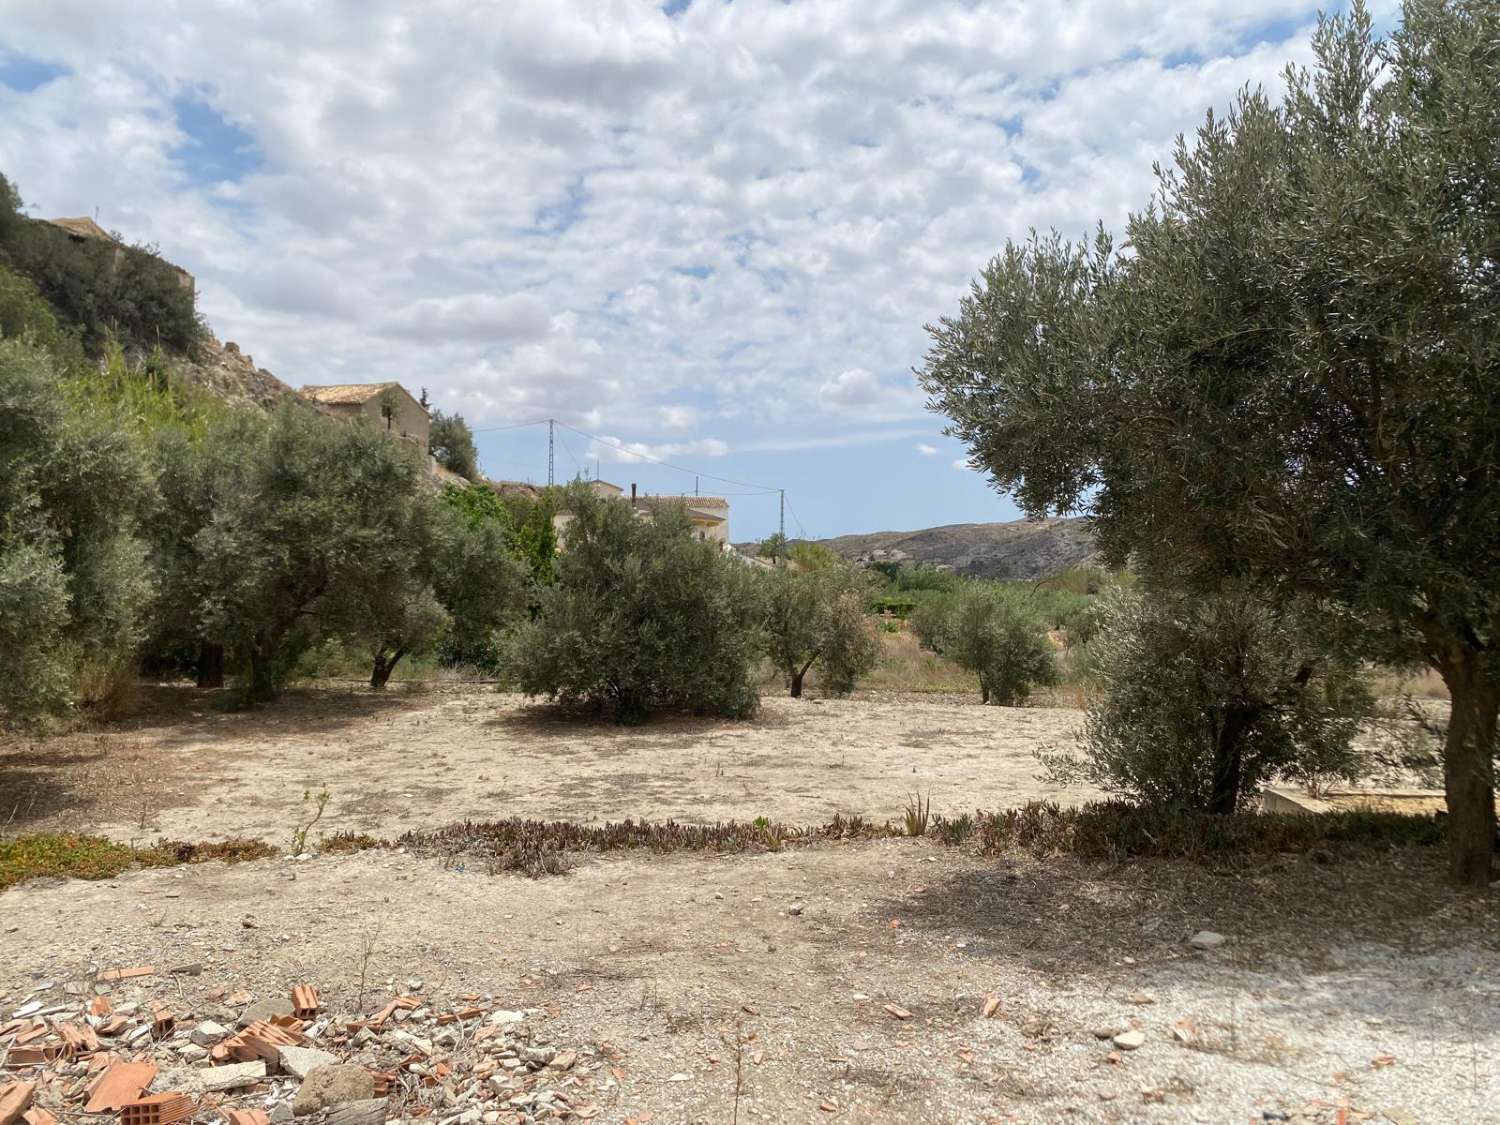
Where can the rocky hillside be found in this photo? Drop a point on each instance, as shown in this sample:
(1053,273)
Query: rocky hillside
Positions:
(231,374)
(1020,549)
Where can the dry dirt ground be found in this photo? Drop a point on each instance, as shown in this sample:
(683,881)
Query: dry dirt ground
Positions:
(188,770)
(1357,989)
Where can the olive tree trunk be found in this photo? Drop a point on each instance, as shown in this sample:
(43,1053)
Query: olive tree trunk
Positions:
(210,665)
(1469,768)
(385,664)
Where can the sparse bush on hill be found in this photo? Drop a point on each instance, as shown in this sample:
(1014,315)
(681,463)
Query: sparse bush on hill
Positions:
(1199,700)
(818,616)
(105,289)
(452,442)
(641,617)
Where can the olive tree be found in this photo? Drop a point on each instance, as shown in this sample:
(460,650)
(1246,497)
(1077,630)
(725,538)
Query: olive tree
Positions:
(997,636)
(1198,700)
(1294,374)
(818,617)
(640,616)
(305,513)
(74,582)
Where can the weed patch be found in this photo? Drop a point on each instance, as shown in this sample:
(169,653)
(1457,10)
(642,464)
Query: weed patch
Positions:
(1116,830)
(61,855)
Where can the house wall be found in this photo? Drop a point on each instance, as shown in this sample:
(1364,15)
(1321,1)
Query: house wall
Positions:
(410,421)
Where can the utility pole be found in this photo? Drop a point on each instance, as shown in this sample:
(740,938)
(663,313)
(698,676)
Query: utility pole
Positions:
(782,491)
(550,425)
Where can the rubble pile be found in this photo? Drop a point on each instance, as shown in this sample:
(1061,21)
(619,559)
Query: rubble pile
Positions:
(115,1050)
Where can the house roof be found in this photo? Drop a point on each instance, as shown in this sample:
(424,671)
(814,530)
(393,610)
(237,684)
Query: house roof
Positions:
(83,227)
(695,505)
(347,394)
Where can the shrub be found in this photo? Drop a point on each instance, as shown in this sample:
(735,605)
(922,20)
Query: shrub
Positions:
(1197,701)
(992,632)
(641,616)
(452,442)
(105,288)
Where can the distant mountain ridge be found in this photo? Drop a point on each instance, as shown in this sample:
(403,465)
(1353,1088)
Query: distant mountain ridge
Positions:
(1017,549)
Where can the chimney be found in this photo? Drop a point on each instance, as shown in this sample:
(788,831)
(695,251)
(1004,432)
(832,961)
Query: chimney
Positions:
(632,492)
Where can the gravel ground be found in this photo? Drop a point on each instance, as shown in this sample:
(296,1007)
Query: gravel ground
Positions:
(1360,986)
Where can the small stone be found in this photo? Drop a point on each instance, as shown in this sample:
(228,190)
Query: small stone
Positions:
(1206,939)
(301,1061)
(265,1010)
(235,1076)
(191,1052)
(414,985)
(327,1086)
(564,1060)
(281,1113)
(1108,1029)
(188,969)
(538,1057)
(1129,1040)
(501,1016)
(795,909)
(207,1033)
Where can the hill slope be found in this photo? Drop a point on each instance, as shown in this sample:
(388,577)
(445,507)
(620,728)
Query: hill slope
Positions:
(1019,549)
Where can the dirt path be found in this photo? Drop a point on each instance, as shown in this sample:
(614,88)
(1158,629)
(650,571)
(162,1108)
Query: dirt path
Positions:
(401,761)
(1390,1008)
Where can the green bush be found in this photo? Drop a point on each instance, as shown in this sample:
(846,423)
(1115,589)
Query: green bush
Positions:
(818,617)
(994,633)
(74,584)
(452,442)
(106,288)
(641,617)
(1199,700)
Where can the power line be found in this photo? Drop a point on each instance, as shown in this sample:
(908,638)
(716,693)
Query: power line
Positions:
(513,426)
(798,522)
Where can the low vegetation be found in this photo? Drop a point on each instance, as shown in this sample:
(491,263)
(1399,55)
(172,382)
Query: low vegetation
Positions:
(72,856)
(1198,701)
(640,617)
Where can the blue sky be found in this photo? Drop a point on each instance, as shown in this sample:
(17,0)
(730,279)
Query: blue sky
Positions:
(707,233)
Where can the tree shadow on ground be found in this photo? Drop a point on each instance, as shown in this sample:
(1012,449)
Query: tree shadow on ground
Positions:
(541,719)
(1117,925)
(130,769)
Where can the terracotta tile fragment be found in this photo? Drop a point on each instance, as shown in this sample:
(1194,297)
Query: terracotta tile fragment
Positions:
(36,1115)
(100,1006)
(120,1083)
(246,1117)
(128,974)
(15,1099)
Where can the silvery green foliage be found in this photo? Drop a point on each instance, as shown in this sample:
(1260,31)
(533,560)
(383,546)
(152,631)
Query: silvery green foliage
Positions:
(641,617)
(818,617)
(994,633)
(74,582)
(1293,374)
(1198,701)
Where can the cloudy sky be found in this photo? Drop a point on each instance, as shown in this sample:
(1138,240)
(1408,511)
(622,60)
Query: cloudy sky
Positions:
(706,232)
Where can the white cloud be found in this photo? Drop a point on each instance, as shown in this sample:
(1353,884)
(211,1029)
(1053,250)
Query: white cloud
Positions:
(479,317)
(961,464)
(925,450)
(733,222)
(606,448)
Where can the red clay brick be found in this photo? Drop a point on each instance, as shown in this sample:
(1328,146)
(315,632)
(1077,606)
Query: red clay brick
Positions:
(305,1001)
(159,1109)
